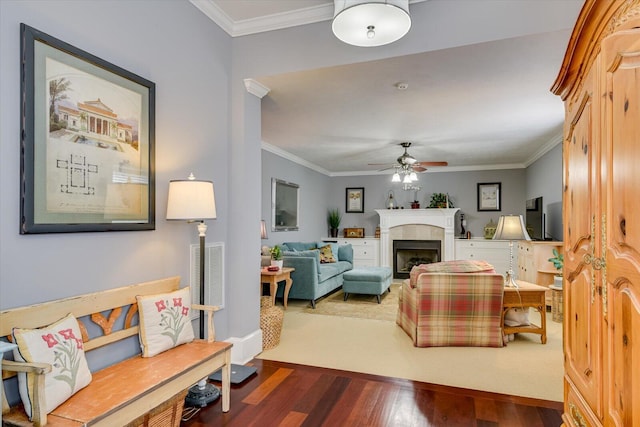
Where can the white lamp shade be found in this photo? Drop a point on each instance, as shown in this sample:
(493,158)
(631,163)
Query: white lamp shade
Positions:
(263,229)
(511,227)
(191,200)
(354,21)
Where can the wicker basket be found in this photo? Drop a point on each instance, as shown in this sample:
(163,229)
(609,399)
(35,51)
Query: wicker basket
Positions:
(167,414)
(556,305)
(271,324)
(265,302)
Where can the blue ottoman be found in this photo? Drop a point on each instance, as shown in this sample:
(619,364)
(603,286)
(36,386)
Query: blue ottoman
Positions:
(366,280)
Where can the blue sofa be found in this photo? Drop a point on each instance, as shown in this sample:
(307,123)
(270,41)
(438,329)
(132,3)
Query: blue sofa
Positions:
(311,278)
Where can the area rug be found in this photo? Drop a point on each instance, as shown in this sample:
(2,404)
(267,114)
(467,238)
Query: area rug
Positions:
(359,305)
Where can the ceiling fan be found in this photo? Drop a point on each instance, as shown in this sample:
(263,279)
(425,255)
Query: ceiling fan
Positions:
(406,162)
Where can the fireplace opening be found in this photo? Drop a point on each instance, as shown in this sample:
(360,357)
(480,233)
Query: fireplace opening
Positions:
(407,253)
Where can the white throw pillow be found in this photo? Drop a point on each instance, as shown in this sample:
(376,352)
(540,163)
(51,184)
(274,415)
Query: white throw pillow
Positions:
(59,344)
(165,321)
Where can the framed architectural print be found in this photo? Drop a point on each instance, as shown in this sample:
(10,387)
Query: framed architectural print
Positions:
(489,196)
(87,155)
(354,200)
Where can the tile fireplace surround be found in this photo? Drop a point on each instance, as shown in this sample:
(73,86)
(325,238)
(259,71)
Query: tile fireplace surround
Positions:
(438,221)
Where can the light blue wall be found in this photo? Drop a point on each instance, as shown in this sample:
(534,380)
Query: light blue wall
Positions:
(172,44)
(313,193)
(461,186)
(544,178)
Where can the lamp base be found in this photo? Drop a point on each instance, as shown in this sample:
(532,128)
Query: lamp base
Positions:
(200,396)
(510,280)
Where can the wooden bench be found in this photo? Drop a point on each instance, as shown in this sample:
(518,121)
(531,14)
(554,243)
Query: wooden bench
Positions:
(129,392)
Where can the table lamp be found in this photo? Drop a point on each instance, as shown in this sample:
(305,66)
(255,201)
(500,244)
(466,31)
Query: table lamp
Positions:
(511,227)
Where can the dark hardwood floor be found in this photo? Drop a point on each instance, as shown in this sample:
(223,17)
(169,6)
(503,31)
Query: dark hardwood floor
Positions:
(283,394)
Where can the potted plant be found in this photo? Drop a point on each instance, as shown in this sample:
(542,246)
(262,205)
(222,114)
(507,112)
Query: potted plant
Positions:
(276,256)
(333,219)
(440,200)
(558,262)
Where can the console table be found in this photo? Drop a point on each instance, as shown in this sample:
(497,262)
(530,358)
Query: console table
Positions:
(527,295)
(273,278)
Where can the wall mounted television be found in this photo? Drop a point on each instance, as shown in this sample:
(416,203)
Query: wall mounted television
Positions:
(534,219)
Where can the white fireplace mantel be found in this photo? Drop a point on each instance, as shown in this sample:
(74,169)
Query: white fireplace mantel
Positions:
(443,218)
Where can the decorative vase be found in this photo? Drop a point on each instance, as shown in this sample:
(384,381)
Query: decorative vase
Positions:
(277,263)
(333,232)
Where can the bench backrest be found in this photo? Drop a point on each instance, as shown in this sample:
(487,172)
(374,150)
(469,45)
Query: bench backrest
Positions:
(102,308)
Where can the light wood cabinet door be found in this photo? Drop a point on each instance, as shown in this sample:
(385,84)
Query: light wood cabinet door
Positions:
(621,219)
(582,327)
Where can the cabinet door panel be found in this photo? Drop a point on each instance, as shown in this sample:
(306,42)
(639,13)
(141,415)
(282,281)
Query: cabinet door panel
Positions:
(582,326)
(624,355)
(621,55)
(581,335)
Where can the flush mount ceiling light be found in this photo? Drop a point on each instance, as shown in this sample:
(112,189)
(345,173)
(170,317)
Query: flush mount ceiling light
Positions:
(370,22)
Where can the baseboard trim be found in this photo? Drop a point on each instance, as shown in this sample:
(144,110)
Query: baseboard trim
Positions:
(246,348)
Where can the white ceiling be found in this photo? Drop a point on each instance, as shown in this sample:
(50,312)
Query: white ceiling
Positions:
(479,106)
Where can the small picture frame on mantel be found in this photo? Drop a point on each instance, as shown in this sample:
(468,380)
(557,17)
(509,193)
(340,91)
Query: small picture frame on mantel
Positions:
(489,196)
(354,202)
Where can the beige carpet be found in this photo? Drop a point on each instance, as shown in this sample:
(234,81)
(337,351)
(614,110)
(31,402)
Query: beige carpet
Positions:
(359,305)
(523,368)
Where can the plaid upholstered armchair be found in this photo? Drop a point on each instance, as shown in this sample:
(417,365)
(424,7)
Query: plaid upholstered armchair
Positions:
(452,303)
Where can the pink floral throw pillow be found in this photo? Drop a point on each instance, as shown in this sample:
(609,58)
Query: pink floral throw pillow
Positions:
(60,345)
(165,321)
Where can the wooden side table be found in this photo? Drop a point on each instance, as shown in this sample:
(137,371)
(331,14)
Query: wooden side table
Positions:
(528,295)
(273,278)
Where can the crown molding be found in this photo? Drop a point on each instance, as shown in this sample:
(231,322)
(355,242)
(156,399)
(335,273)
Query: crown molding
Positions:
(276,21)
(553,141)
(295,159)
(272,22)
(256,88)
(217,15)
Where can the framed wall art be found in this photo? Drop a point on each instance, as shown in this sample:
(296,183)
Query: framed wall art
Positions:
(88,133)
(489,196)
(354,200)
(285,205)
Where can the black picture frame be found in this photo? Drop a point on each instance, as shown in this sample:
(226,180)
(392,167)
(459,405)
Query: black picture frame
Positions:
(87,141)
(489,196)
(354,200)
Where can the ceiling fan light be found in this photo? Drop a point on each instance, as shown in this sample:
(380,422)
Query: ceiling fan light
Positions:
(413,176)
(407,179)
(396,177)
(369,23)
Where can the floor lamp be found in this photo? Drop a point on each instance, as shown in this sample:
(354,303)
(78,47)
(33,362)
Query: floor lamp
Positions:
(511,227)
(192,200)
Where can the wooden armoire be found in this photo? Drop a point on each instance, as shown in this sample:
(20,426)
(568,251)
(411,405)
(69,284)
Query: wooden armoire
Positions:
(600,84)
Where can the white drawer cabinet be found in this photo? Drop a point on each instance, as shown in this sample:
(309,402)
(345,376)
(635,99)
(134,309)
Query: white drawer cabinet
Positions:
(495,252)
(365,251)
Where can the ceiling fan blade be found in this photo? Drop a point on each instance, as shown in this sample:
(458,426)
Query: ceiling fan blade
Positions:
(431,164)
(386,169)
(378,164)
(418,169)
